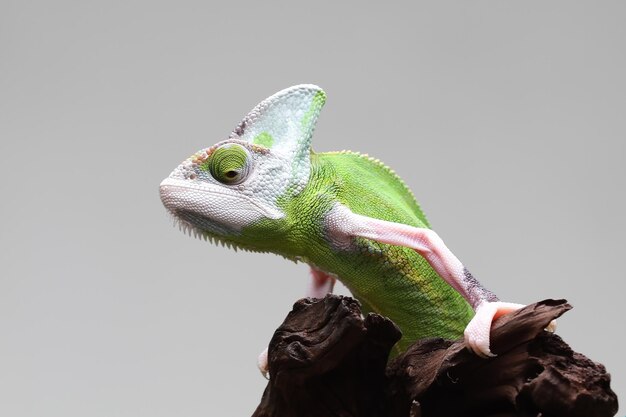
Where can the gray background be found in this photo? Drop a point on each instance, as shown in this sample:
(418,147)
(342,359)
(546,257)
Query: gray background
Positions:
(505,118)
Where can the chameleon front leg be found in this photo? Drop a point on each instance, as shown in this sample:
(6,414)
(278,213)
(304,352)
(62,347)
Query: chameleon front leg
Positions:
(320,285)
(343,225)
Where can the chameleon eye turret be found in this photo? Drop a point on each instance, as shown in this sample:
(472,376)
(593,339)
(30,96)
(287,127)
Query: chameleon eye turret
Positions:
(229,164)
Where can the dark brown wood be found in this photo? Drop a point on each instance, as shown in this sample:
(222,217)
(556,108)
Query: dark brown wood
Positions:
(326,360)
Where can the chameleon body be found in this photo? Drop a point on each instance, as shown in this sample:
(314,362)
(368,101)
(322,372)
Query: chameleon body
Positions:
(347,215)
(394,281)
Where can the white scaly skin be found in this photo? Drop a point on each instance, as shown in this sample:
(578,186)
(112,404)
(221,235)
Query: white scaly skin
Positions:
(227,209)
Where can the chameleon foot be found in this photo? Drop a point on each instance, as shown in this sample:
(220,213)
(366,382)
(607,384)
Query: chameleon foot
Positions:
(263,364)
(478,329)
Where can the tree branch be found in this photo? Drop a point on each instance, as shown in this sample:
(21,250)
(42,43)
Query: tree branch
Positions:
(326,360)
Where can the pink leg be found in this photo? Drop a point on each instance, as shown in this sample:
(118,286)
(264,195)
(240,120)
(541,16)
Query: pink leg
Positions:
(426,242)
(320,285)
(344,225)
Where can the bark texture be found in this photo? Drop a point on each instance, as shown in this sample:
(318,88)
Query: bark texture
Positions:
(326,360)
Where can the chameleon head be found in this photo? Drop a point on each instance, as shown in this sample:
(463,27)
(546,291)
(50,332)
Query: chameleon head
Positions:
(220,191)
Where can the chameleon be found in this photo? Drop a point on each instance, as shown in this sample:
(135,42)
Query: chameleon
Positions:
(347,215)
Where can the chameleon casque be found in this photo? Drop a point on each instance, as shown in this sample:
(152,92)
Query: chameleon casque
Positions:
(345,214)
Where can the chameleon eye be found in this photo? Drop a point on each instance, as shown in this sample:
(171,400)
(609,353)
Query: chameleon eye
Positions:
(229,164)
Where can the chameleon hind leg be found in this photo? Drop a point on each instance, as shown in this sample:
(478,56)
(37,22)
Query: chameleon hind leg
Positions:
(320,285)
(344,225)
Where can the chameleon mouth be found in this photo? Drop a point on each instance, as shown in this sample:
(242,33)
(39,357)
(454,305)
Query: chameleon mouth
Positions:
(227,207)
(210,212)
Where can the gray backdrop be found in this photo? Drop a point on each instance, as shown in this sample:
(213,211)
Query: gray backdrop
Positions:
(505,118)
